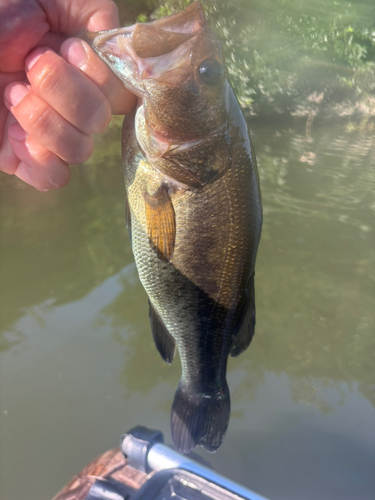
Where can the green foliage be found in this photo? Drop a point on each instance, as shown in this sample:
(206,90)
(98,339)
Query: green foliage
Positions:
(278,52)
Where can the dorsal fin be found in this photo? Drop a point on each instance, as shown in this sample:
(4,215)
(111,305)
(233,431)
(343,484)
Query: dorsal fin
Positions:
(164,341)
(161,224)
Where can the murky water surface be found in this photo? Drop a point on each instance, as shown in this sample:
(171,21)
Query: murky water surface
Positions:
(77,360)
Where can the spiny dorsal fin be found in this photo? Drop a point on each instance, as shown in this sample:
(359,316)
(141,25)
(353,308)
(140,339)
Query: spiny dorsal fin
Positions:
(164,341)
(243,337)
(161,224)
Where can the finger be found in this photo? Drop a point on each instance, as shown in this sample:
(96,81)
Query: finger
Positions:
(5,79)
(68,91)
(104,17)
(37,166)
(80,54)
(8,160)
(46,126)
(3,116)
(71,16)
(52,41)
(23,24)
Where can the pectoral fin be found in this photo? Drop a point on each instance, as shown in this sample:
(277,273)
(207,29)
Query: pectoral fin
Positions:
(241,340)
(164,341)
(161,224)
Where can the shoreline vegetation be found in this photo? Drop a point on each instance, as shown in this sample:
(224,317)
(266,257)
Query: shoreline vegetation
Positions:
(290,58)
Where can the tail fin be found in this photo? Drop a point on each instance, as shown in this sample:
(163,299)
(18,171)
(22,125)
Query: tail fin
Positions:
(199,419)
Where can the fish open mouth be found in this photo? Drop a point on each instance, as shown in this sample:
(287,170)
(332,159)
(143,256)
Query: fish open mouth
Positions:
(161,63)
(150,50)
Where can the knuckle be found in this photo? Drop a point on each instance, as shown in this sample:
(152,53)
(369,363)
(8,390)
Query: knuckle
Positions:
(45,156)
(40,119)
(49,78)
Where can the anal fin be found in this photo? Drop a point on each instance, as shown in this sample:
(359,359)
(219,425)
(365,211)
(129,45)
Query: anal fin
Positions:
(164,341)
(161,224)
(241,340)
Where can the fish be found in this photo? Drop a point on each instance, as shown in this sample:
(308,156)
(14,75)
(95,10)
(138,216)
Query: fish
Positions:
(193,208)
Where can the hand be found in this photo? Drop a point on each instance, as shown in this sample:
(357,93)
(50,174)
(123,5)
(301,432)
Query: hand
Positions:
(57,91)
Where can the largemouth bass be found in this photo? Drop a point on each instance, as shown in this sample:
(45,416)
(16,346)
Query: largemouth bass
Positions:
(193,208)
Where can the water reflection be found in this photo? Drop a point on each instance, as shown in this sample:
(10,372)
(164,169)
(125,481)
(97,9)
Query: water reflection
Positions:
(75,314)
(60,244)
(10,339)
(315,295)
(330,176)
(285,450)
(131,308)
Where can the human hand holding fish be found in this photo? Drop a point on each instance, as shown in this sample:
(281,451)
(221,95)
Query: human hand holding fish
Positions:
(57,92)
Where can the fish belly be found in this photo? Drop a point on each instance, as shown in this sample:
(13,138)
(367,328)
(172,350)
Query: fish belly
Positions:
(197,292)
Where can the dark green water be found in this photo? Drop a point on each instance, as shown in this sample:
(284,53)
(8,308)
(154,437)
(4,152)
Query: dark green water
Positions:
(77,362)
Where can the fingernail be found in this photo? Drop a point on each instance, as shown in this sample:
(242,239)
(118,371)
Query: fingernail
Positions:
(15,131)
(15,94)
(32,58)
(75,53)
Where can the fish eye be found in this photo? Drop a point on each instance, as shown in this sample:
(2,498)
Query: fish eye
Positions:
(210,72)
